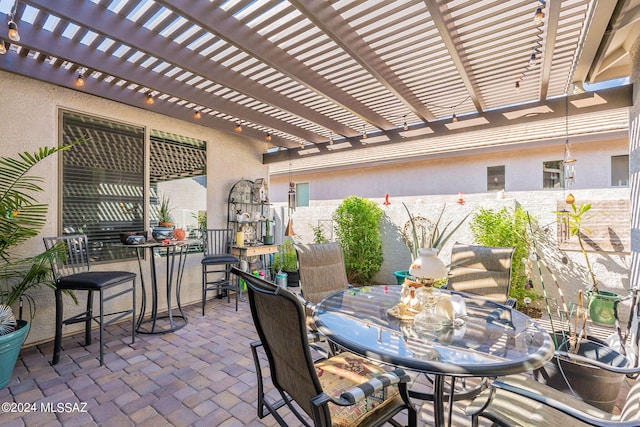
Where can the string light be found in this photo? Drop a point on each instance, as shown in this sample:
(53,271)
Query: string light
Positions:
(149,99)
(197,114)
(268,137)
(454,118)
(539,14)
(13,27)
(405,126)
(3,47)
(538,21)
(238,127)
(364,132)
(79,80)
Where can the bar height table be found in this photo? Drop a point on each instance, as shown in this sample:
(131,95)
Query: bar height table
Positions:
(176,256)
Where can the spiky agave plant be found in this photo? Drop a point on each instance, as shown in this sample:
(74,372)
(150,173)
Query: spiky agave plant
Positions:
(8,321)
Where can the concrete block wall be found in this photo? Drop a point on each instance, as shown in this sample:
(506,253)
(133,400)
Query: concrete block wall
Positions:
(612,269)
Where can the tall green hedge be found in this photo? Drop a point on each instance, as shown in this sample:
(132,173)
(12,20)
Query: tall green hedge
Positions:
(357,225)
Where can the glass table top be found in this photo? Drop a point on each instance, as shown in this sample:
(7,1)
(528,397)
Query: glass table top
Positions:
(490,340)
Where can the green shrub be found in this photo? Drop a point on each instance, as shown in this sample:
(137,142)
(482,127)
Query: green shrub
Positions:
(357,225)
(506,228)
(286,258)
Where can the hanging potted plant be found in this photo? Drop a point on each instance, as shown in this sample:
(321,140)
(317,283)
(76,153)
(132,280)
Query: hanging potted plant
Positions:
(600,302)
(21,218)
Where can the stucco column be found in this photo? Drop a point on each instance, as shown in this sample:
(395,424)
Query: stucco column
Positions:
(634,164)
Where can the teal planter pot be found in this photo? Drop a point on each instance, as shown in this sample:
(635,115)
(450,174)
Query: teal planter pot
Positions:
(10,345)
(401,275)
(601,308)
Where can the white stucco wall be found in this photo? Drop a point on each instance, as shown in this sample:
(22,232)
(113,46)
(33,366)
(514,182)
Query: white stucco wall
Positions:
(460,173)
(29,111)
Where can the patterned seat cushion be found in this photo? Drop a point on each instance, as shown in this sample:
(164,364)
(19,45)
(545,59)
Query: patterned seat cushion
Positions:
(344,371)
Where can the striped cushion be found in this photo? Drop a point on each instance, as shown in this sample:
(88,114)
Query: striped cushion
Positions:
(341,374)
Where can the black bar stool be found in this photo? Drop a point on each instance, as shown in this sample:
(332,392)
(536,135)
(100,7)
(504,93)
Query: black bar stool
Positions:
(217,260)
(71,273)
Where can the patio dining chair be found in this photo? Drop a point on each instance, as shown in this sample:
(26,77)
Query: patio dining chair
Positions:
(481,270)
(520,400)
(344,390)
(322,270)
(71,272)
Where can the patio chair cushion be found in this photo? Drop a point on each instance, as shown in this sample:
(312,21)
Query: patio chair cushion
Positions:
(345,371)
(93,280)
(220,259)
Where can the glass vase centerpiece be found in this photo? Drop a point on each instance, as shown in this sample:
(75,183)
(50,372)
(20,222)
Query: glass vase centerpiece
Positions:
(426,269)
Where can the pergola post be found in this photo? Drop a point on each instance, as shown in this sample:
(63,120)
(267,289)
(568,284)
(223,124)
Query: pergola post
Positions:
(634,164)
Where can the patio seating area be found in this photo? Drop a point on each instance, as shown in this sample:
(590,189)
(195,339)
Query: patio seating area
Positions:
(200,375)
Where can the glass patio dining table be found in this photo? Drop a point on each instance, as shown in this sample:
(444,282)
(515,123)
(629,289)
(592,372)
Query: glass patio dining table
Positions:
(489,340)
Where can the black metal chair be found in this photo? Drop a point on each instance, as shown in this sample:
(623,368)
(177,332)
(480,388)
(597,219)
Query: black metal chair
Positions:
(216,243)
(344,390)
(71,273)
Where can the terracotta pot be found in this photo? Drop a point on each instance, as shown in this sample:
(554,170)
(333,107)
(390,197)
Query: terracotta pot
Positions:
(179,234)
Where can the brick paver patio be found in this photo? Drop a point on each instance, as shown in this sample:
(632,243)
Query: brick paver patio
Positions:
(201,375)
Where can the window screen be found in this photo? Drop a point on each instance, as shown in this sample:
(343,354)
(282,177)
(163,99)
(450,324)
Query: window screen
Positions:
(302,194)
(495,178)
(102,182)
(620,171)
(553,174)
(178,173)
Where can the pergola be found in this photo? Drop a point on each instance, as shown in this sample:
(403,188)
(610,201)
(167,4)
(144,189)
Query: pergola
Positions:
(313,77)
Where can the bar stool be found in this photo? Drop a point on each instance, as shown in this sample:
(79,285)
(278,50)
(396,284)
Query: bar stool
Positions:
(217,260)
(71,273)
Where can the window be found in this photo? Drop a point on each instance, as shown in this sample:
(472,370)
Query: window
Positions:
(620,171)
(102,182)
(178,172)
(552,174)
(302,194)
(495,178)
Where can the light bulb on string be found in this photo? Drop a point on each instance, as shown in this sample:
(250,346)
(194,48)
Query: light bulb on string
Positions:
(13,30)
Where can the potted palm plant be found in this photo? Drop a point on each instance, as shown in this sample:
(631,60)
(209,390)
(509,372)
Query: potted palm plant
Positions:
(21,218)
